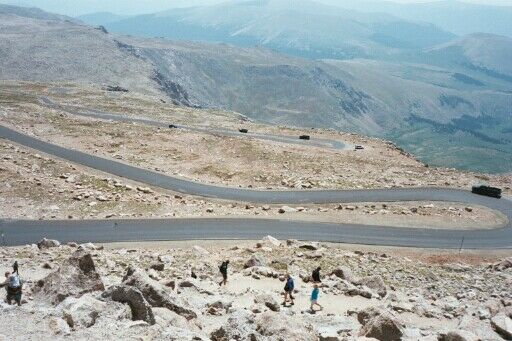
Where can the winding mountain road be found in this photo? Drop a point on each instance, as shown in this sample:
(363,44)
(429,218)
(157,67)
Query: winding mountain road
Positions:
(16,232)
(97,114)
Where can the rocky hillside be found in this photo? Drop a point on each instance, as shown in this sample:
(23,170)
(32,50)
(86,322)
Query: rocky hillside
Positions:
(158,293)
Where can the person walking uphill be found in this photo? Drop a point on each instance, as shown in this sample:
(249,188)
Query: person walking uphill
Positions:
(288,290)
(223,268)
(316,275)
(314,299)
(13,287)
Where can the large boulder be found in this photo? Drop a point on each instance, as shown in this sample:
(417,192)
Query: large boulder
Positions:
(380,324)
(255,260)
(141,310)
(156,294)
(74,278)
(268,301)
(502,324)
(375,283)
(81,312)
(239,326)
(47,243)
(281,327)
(343,272)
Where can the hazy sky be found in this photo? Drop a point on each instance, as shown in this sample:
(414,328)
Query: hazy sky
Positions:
(78,7)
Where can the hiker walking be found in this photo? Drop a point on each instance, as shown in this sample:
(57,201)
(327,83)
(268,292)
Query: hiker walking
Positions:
(288,290)
(316,275)
(314,298)
(223,268)
(13,286)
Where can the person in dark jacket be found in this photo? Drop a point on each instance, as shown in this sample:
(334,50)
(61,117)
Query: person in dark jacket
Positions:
(13,287)
(288,290)
(316,275)
(223,268)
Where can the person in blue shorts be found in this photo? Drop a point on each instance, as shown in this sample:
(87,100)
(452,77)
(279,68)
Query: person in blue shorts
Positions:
(314,298)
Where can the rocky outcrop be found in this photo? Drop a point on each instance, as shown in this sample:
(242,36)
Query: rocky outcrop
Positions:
(155,293)
(74,278)
(141,309)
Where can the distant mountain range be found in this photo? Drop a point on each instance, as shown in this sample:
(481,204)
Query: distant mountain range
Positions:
(300,27)
(459,17)
(450,103)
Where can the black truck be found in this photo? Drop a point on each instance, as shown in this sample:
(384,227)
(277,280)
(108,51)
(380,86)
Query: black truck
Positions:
(487,191)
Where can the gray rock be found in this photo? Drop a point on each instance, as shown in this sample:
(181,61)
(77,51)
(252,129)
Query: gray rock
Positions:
(458,335)
(375,283)
(502,324)
(379,324)
(141,309)
(255,260)
(158,266)
(75,277)
(81,312)
(343,272)
(268,300)
(281,327)
(239,326)
(286,209)
(155,293)
(309,246)
(58,326)
(47,243)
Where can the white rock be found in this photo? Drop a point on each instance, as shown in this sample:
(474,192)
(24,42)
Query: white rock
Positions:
(271,240)
(200,250)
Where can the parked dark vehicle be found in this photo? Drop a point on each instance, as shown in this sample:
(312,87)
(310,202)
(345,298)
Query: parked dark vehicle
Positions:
(304,137)
(243,130)
(358,147)
(487,191)
(173,126)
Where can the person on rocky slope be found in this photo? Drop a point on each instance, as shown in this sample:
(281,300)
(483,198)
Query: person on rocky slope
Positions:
(13,287)
(223,268)
(314,299)
(288,290)
(316,275)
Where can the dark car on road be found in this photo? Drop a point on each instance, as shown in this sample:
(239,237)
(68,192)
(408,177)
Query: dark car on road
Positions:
(487,191)
(173,126)
(304,137)
(243,130)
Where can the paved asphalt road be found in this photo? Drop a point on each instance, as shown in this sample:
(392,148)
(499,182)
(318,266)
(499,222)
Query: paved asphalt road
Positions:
(22,232)
(91,113)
